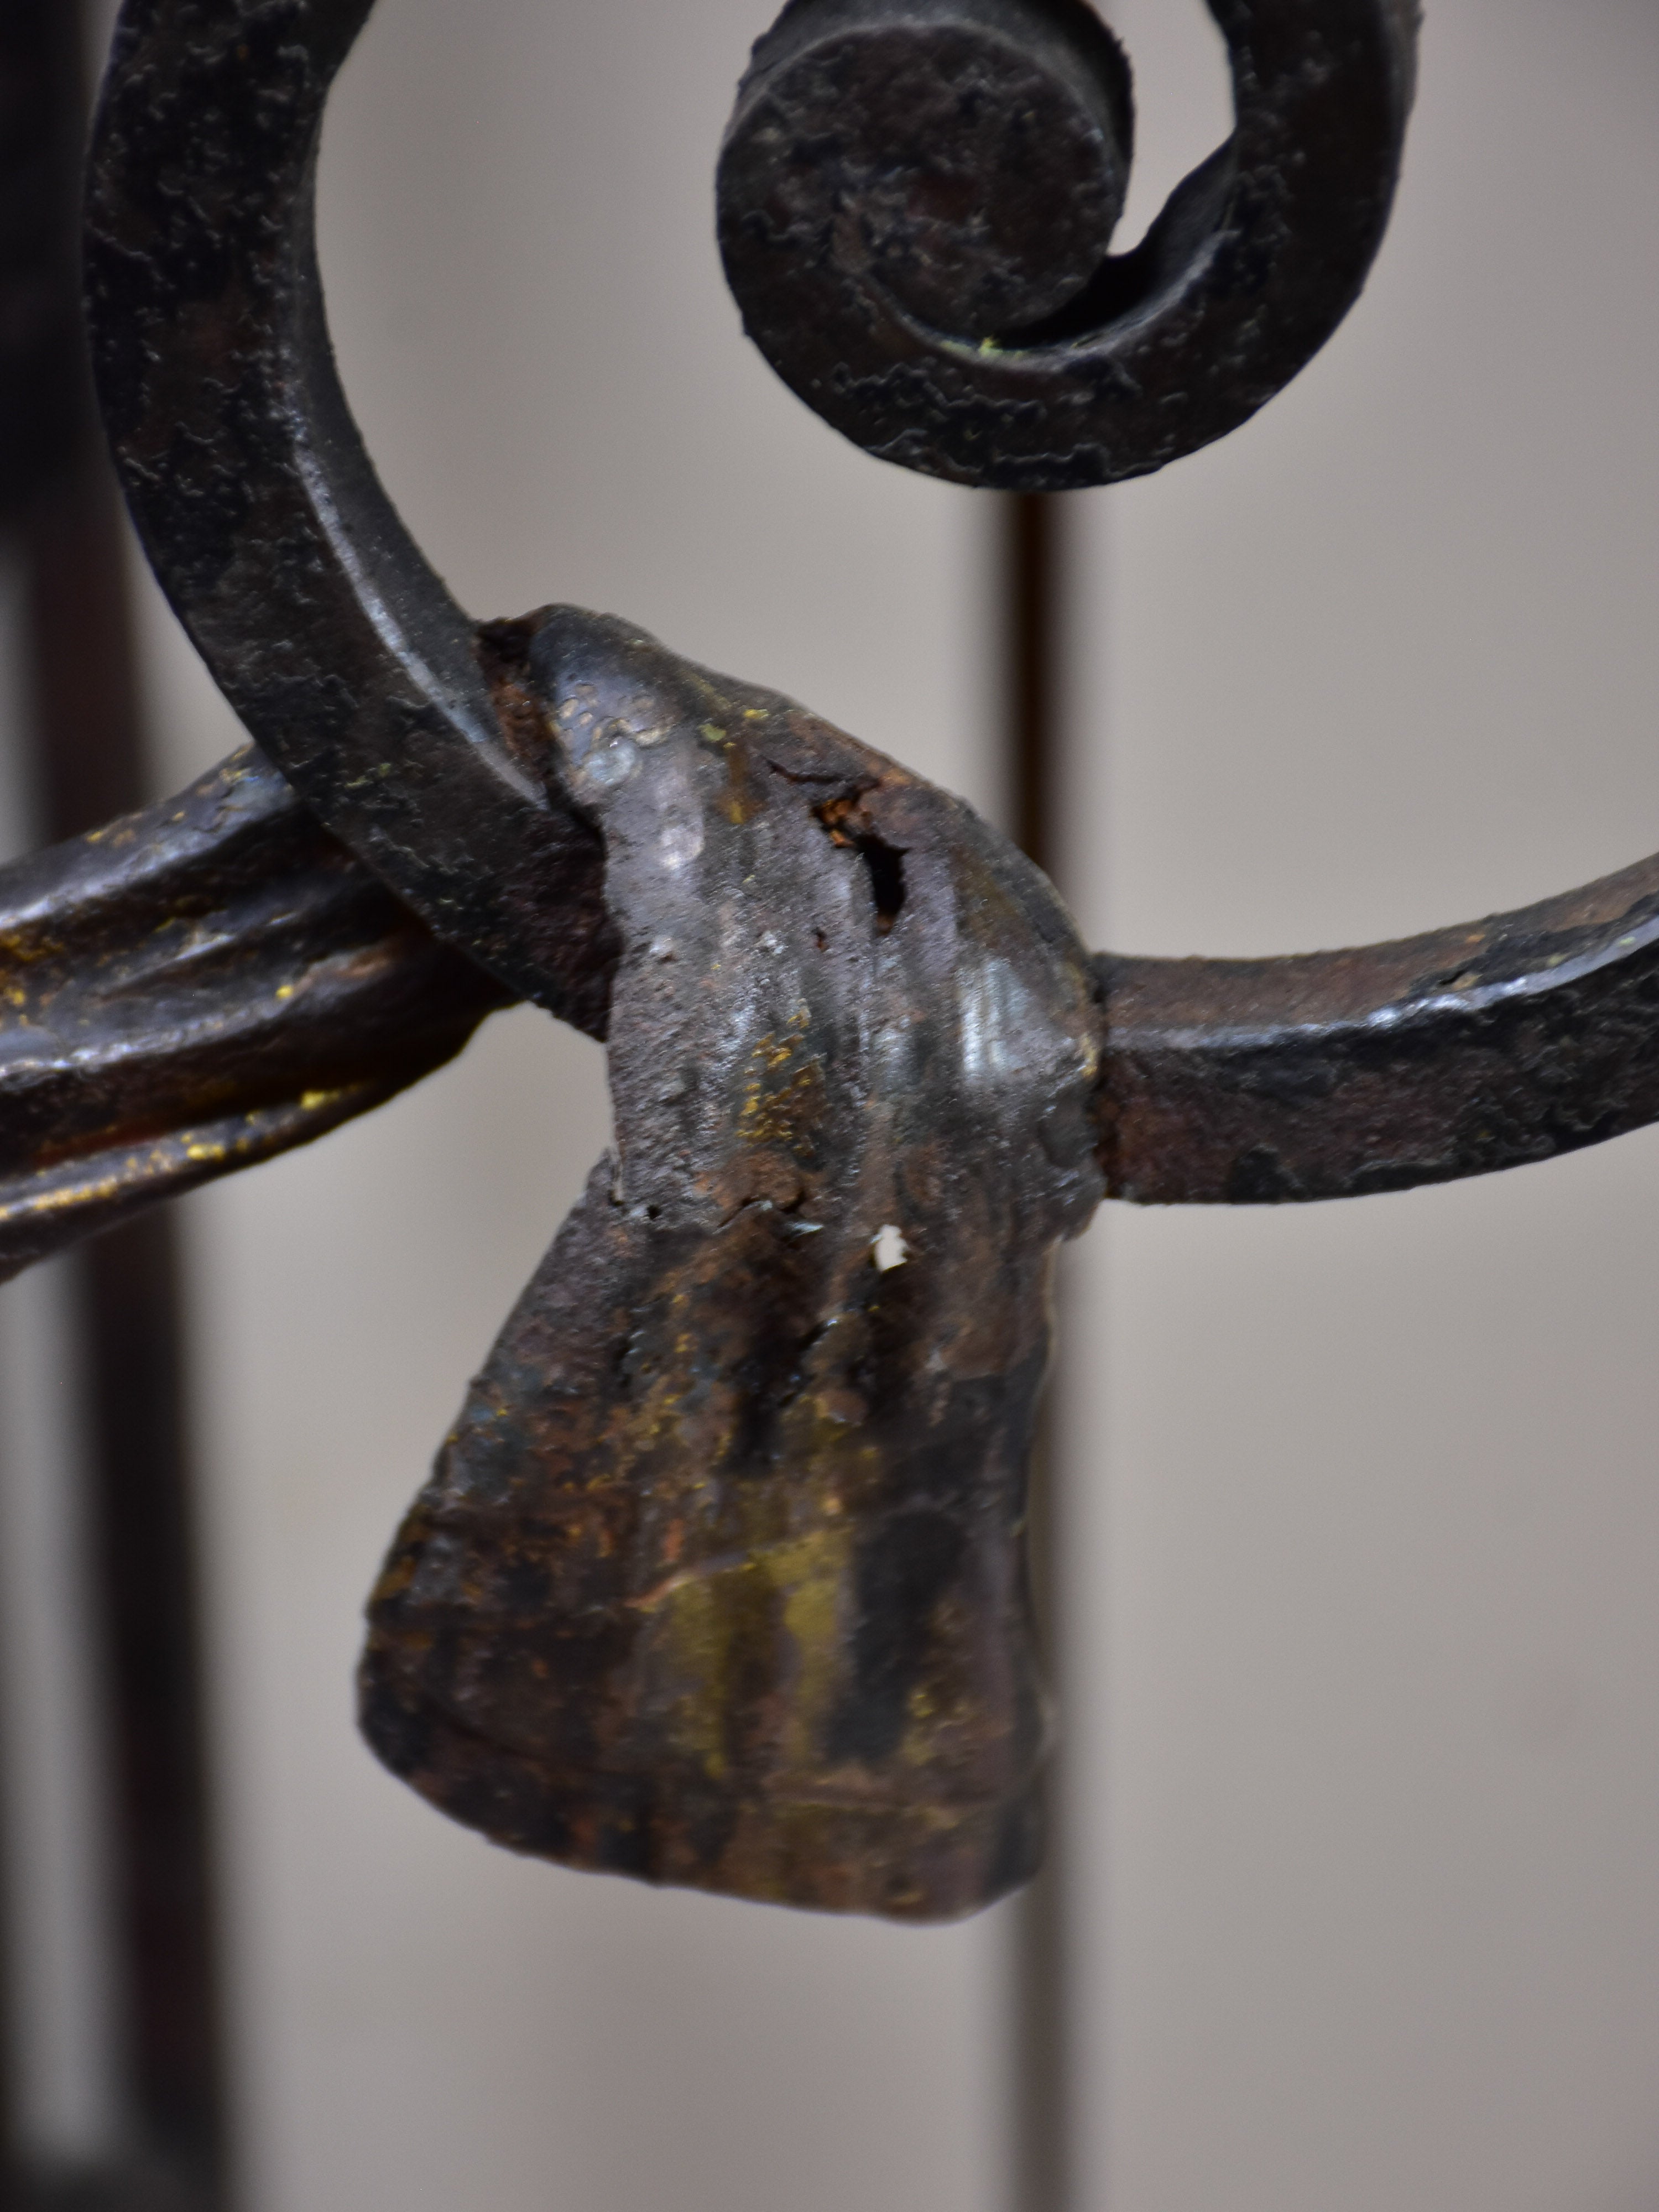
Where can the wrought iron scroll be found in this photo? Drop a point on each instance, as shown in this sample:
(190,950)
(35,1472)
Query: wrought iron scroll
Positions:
(718,1578)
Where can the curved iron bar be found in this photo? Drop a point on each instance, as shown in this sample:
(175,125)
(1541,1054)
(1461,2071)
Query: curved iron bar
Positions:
(916,198)
(321,621)
(194,989)
(1332,1074)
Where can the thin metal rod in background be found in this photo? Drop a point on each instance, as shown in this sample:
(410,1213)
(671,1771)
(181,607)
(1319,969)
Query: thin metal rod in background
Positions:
(1032,581)
(61,506)
(1033,557)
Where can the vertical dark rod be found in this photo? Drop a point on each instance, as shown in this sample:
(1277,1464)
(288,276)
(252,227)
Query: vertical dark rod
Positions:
(1033,594)
(25,249)
(89,765)
(1033,552)
(127,1310)
(37,435)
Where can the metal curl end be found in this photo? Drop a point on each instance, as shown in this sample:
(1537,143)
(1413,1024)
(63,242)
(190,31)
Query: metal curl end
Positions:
(916,198)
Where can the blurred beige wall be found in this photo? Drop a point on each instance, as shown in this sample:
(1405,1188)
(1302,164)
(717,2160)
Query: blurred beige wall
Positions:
(1363,1528)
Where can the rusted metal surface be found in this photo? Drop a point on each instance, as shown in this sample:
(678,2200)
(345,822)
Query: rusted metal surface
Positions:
(195,988)
(917,199)
(1246,1082)
(718,1578)
(967,157)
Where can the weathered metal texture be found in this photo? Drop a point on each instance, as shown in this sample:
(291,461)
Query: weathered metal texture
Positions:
(916,199)
(1245,1082)
(969,157)
(195,988)
(336,643)
(719,1579)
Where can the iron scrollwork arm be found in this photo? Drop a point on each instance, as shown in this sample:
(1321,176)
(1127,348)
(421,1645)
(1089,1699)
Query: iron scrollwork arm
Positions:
(718,1578)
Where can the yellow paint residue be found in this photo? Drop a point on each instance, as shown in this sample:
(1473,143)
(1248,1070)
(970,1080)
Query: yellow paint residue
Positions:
(81,1194)
(729,1638)
(782,1117)
(816,1568)
(787,1114)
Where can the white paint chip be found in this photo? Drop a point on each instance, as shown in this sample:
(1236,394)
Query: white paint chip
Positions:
(889,1249)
